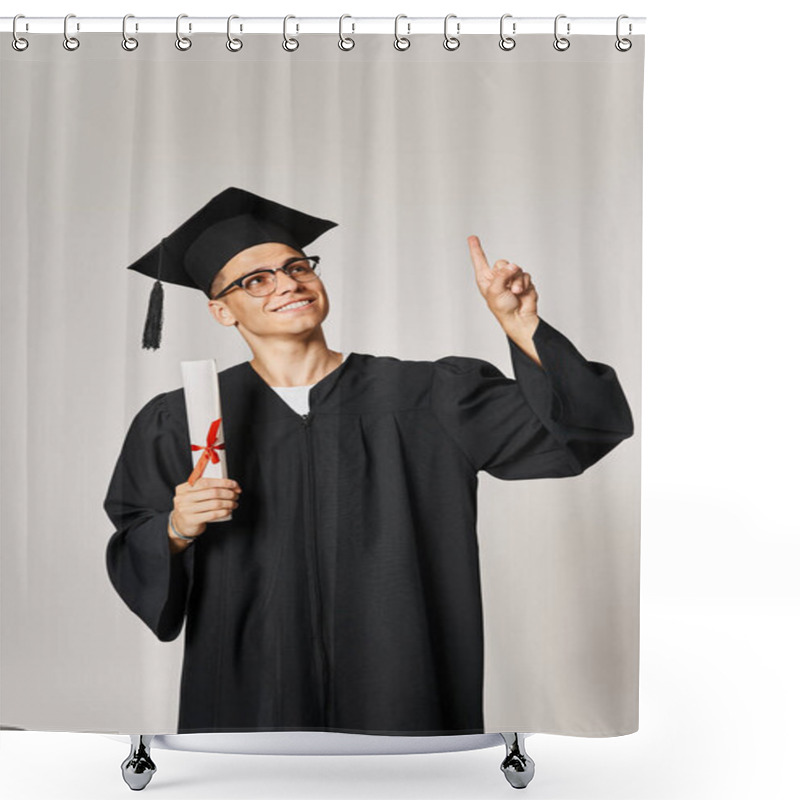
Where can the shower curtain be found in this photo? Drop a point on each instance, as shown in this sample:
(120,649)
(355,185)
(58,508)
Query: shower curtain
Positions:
(465,556)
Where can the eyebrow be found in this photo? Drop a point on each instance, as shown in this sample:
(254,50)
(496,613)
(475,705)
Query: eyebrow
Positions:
(271,269)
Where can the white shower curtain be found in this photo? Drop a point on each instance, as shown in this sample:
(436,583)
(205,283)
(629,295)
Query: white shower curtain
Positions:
(105,152)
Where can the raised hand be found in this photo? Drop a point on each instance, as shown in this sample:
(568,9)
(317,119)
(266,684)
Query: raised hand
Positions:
(507,289)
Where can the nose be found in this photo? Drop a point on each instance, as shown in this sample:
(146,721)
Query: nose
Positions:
(284,282)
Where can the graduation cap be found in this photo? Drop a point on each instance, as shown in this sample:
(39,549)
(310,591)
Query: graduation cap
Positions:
(199,248)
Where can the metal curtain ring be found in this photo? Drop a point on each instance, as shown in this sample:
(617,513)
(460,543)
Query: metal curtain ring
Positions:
(182,42)
(70,42)
(623,45)
(561,43)
(507,42)
(17,42)
(451,42)
(128,42)
(233,44)
(289,43)
(401,42)
(345,42)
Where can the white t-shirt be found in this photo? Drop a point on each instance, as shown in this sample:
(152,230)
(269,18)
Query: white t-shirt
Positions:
(297,396)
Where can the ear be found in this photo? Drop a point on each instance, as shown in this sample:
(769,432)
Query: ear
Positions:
(222,313)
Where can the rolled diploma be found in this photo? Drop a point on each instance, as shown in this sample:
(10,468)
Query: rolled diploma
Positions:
(203,407)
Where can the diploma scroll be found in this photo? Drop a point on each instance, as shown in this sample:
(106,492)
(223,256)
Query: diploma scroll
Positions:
(204,413)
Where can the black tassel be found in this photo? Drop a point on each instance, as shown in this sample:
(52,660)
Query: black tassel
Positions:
(151,338)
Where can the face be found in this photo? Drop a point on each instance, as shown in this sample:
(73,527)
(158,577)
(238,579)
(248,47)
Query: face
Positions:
(261,316)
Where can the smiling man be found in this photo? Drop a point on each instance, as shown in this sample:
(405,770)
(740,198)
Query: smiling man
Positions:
(282,328)
(344,592)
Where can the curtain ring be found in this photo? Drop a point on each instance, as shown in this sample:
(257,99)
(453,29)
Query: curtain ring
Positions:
(345,42)
(401,42)
(70,42)
(507,42)
(561,43)
(451,42)
(233,44)
(128,42)
(623,45)
(18,43)
(290,44)
(181,42)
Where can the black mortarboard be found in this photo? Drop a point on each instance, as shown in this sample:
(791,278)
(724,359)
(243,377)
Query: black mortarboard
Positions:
(198,249)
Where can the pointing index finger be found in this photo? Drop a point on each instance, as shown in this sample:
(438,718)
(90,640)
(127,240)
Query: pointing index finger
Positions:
(478,257)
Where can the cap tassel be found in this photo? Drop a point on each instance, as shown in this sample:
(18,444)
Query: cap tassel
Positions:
(155,318)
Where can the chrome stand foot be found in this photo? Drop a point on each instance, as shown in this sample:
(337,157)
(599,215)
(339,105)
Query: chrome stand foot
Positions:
(517,766)
(138,767)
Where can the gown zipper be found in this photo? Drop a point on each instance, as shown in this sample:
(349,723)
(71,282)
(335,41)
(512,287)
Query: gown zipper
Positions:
(321,655)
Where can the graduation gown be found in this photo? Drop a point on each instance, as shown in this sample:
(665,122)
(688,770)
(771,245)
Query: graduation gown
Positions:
(344,594)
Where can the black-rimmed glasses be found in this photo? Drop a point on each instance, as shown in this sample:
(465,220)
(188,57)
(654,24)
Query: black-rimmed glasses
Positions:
(261,282)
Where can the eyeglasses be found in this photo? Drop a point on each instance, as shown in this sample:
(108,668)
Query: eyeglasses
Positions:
(262,282)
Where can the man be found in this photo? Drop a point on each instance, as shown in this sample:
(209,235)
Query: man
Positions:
(344,593)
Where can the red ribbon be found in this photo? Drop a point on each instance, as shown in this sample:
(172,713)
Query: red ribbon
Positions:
(209,451)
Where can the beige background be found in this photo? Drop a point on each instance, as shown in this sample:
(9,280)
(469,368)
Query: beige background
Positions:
(537,152)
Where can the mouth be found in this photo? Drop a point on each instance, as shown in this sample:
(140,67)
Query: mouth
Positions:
(294,306)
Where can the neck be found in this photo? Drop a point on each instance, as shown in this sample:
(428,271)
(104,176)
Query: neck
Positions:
(292,361)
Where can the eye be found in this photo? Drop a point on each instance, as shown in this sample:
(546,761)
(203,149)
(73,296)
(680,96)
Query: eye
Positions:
(300,268)
(254,280)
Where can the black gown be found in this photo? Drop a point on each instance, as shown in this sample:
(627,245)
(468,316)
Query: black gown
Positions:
(344,594)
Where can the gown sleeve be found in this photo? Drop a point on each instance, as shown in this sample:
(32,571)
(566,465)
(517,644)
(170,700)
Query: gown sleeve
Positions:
(153,582)
(550,422)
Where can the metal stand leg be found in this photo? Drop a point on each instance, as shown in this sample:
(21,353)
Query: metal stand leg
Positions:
(138,767)
(517,766)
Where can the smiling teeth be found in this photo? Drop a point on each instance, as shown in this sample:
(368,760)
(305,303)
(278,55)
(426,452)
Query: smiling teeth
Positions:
(294,305)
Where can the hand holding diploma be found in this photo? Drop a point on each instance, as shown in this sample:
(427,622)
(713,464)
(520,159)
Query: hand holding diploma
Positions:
(208,495)
(195,506)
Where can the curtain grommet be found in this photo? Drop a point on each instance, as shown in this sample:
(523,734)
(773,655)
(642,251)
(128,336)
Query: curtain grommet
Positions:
(129,43)
(451,42)
(233,44)
(182,42)
(401,42)
(507,42)
(17,41)
(346,43)
(622,44)
(561,43)
(70,42)
(289,43)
